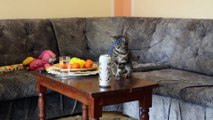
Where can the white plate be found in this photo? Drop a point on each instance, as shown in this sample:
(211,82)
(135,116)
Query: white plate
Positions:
(73,74)
(94,66)
(85,73)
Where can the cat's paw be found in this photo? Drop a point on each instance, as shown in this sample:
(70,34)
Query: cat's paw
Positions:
(117,77)
(128,75)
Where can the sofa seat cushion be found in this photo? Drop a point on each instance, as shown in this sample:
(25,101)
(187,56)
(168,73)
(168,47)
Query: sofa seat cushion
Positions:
(143,67)
(188,86)
(16,84)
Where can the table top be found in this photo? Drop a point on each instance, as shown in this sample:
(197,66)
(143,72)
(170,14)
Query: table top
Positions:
(90,84)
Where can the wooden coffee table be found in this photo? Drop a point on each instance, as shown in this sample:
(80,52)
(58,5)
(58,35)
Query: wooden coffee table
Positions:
(87,91)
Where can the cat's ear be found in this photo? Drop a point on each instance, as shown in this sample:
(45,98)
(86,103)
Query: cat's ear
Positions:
(126,40)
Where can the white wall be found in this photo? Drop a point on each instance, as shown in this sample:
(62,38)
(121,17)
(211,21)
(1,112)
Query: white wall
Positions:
(12,9)
(173,8)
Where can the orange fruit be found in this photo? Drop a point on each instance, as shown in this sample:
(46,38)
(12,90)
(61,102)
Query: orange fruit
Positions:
(64,66)
(75,65)
(89,61)
(88,65)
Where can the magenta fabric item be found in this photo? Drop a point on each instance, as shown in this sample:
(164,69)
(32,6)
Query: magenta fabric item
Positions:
(37,64)
(46,56)
(43,60)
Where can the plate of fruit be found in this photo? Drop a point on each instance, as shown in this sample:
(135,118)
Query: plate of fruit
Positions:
(77,64)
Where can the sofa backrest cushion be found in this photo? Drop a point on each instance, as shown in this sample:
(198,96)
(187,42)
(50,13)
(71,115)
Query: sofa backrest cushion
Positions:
(183,44)
(89,37)
(180,43)
(100,34)
(70,35)
(22,38)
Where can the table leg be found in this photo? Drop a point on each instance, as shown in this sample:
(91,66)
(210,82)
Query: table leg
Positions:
(41,106)
(41,99)
(84,112)
(145,104)
(95,109)
(145,114)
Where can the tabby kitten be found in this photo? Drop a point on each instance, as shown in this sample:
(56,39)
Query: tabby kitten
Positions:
(120,62)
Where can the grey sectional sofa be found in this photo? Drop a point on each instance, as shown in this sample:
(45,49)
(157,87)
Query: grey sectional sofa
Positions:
(185,45)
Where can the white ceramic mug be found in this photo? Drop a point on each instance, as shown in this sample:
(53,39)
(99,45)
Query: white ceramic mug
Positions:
(104,70)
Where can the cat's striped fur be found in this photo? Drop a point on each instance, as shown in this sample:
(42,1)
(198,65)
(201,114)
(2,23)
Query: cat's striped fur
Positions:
(121,62)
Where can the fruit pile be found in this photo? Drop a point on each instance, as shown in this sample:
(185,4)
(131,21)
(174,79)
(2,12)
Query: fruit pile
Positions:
(80,63)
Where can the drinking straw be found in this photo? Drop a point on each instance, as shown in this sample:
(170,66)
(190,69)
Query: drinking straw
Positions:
(114,43)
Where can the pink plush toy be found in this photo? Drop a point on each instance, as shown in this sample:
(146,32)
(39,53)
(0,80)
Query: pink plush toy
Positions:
(44,61)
